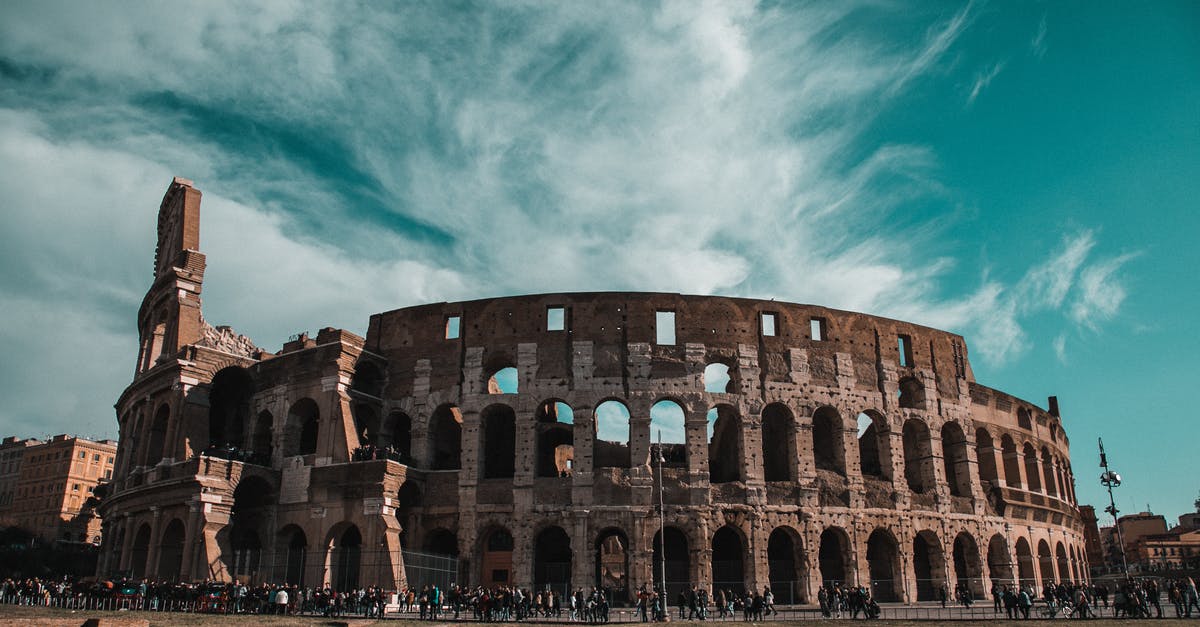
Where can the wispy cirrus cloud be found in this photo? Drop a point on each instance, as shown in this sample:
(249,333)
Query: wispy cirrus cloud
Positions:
(982,80)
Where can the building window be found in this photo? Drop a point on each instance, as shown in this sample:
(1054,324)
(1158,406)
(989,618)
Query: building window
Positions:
(816,329)
(75,487)
(110,460)
(664,327)
(556,319)
(108,474)
(770,324)
(453,324)
(82,454)
(904,343)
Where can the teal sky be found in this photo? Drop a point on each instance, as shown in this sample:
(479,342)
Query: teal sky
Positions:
(1023,173)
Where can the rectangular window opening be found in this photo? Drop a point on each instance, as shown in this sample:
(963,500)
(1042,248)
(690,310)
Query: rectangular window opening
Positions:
(816,328)
(769,324)
(556,319)
(664,326)
(453,324)
(905,345)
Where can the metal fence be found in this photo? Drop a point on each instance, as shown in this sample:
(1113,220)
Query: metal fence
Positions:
(430,569)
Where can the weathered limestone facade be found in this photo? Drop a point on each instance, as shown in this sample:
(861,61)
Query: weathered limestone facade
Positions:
(845,447)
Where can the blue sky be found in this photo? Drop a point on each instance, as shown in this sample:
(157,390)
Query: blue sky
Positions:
(1023,173)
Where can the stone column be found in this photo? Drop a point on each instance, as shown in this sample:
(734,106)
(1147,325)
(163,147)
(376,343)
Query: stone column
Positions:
(155,544)
(696,430)
(582,473)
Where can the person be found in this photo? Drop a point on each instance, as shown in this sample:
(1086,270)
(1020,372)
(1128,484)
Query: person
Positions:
(1024,603)
(1190,597)
(281,600)
(823,601)
(997,597)
(944,593)
(768,601)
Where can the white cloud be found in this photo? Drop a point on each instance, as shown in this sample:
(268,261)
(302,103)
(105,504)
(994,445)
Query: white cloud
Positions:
(982,80)
(1100,292)
(1060,347)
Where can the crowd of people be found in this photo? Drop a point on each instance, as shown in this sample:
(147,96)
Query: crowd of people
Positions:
(837,601)
(1136,598)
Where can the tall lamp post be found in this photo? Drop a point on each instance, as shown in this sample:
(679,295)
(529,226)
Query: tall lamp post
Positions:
(1110,479)
(662,527)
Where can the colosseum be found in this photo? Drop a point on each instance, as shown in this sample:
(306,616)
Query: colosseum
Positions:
(529,440)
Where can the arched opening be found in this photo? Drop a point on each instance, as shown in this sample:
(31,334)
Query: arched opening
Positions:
(303,423)
(496,559)
(252,504)
(397,435)
(833,554)
(367,425)
(158,435)
(408,499)
(1012,465)
(724,445)
(1045,563)
(778,443)
(1023,419)
(1064,567)
(828,446)
(785,560)
(874,446)
(678,561)
(498,449)
(968,572)
(999,562)
(612,563)
(345,558)
(260,441)
(1077,568)
(445,435)
(610,447)
(170,552)
(954,459)
(503,381)
(667,425)
(1032,474)
(294,545)
(1048,472)
(368,379)
(912,393)
(229,407)
(918,456)
(1025,573)
(928,565)
(441,542)
(139,552)
(883,564)
(985,452)
(728,555)
(555,439)
(716,378)
(552,560)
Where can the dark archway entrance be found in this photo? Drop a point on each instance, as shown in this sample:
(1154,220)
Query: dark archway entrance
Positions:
(445,435)
(778,443)
(170,552)
(785,560)
(496,560)
(612,564)
(728,560)
(498,452)
(967,569)
(552,560)
(252,502)
(999,563)
(928,565)
(883,562)
(294,547)
(229,407)
(833,555)
(678,561)
(346,558)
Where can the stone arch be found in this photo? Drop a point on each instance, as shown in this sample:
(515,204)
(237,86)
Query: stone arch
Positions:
(170,552)
(668,420)
(778,443)
(911,393)
(986,454)
(229,397)
(610,446)
(367,425)
(728,559)
(253,504)
(717,378)
(1064,566)
(368,379)
(1048,472)
(495,561)
(725,463)
(874,445)
(918,456)
(408,499)
(786,565)
(303,427)
(1012,465)
(441,541)
(260,438)
(1045,562)
(1000,568)
(1032,475)
(292,543)
(139,551)
(397,433)
(1023,419)
(503,381)
(554,422)
(1025,572)
(612,562)
(498,442)
(345,543)
(883,565)
(552,559)
(678,562)
(833,556)
(445,438)
(929,565)
(954,459)
(157,443)
(968,571)
(829,451)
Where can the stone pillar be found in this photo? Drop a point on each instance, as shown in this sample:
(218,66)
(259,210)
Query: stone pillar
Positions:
(759,568)
(155,544)
(127,543)
(526,451)
(583,562)
(191,542)
(696,436)
(582,474)
(522,556)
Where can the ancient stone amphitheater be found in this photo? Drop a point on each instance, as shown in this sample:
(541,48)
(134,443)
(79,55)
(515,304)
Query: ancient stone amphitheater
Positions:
(516,441)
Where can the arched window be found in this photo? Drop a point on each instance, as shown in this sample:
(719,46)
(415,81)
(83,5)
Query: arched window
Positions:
(828,444)
(918,456)
(778,443)
(503,381)
(1049,473)
(954,457)
(498,450)
(229,407)
(610,447)
(303,425)
(555,439)
(155,448)
(1012,462)
(716,378)
(912,394)
(724,445)
(668,426)
(874,446)
(1031,468)
(985,452)
(445,435)
(1023,419)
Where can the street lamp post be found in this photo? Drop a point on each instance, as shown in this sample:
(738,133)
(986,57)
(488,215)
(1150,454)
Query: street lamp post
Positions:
(1110,479)
(662,527)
